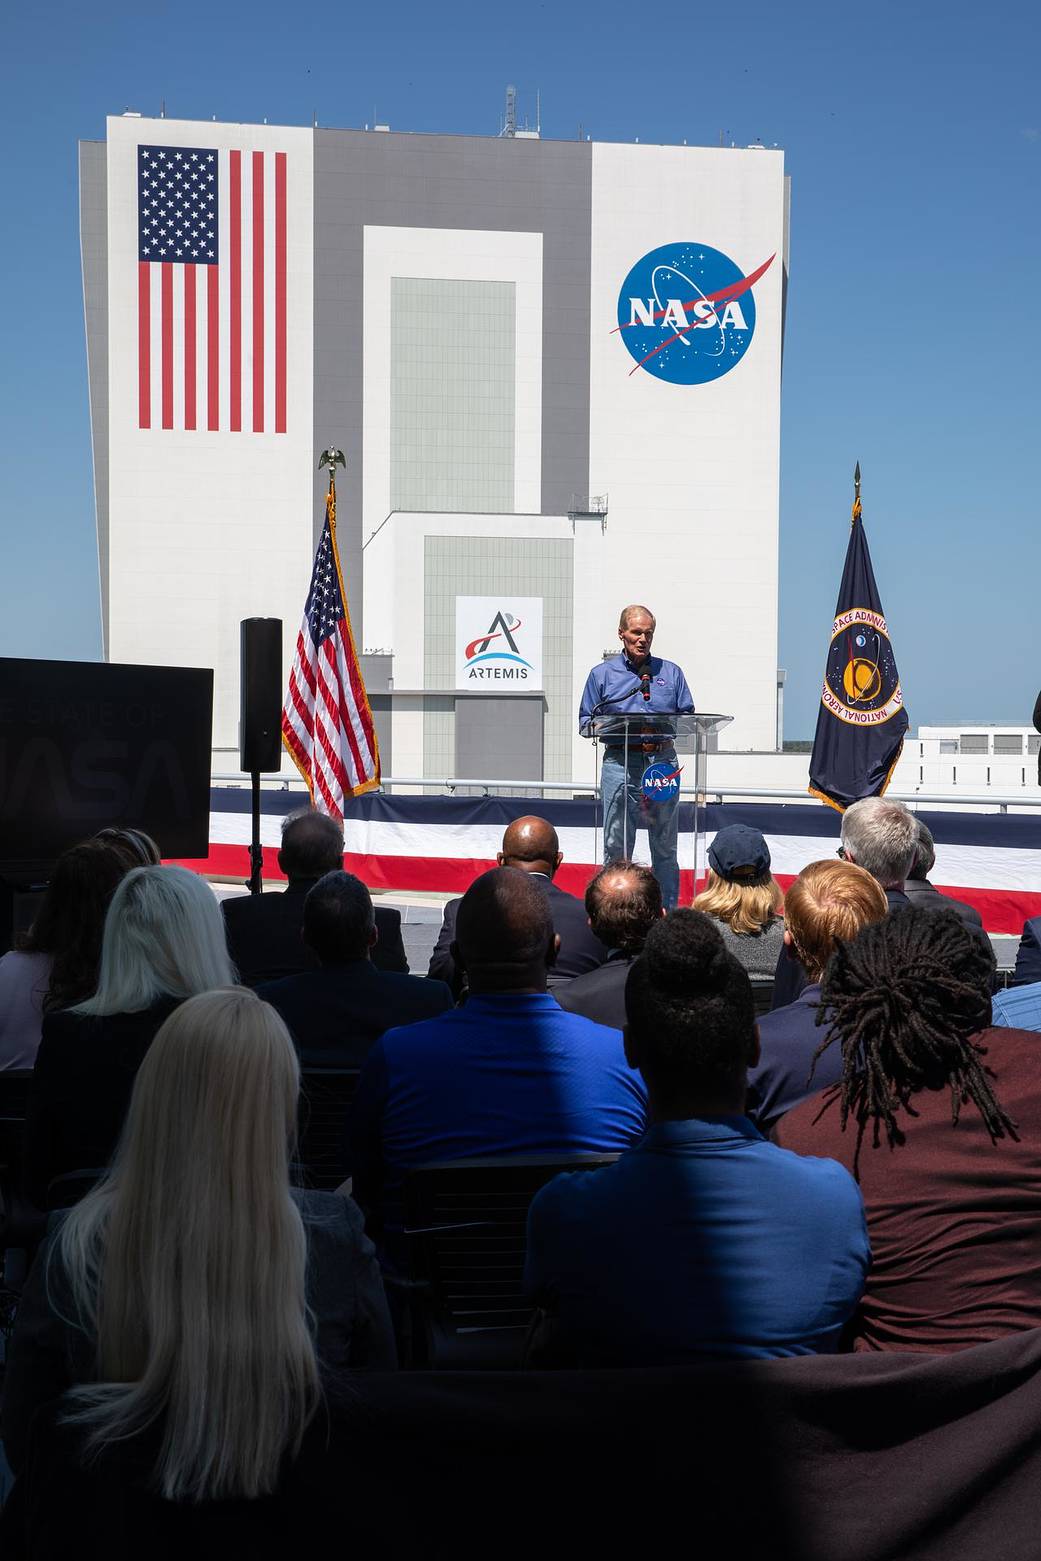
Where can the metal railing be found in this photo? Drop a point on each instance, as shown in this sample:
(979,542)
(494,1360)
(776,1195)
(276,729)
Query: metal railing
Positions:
(449,785)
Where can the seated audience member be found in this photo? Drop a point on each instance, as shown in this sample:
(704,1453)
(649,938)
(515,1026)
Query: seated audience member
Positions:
(139,849)
(623,902)
(193,1297)
(264,929)
(336,1012)
(939,1118)
(882,837)
(1018,1007)
(744,898)
(828,901)
(1028,955)
(508,1073)
(163,942)
(55,964)
(920,891)
(531,845)
(703,1238)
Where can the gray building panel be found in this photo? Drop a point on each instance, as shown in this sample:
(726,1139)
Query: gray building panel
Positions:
(468,182)
(93,160)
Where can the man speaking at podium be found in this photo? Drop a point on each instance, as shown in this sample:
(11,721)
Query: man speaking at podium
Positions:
(637,683)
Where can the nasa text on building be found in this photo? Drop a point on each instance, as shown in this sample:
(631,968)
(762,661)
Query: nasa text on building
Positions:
(554,368)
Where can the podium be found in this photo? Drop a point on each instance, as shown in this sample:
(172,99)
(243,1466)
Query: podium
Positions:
(650,746)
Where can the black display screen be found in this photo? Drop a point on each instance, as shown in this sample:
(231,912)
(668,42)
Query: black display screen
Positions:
(87,744)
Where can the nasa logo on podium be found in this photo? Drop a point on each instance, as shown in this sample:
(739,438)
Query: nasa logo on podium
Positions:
(661,782)
(686,313)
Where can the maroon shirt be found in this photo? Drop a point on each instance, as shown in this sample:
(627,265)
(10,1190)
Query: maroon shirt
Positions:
(954,1220)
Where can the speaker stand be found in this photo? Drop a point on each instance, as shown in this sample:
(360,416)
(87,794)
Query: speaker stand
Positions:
(256,854)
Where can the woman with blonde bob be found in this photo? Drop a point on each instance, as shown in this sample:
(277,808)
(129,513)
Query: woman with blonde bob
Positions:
(744,898)
(193,1295)
(163,941)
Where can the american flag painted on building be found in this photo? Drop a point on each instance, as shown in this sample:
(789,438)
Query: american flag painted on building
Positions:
(211,233)
(327,723)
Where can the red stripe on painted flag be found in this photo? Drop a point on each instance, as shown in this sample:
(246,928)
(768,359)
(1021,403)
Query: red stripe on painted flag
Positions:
(189,346)
(167,328)
(212,348)
(144,344)
(258,292)
(280,292)
(235,286)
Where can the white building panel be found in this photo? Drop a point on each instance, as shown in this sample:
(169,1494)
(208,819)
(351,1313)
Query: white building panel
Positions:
(209,527)
(691,468)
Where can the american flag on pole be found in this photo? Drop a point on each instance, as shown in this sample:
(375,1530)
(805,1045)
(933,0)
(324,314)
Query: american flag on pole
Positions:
(211,289)
(326,720)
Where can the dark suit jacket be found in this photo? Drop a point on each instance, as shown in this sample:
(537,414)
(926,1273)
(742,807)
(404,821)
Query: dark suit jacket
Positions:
(790,978)
(81,1086)
(599,994)
(789,1037)
(336,1013)
(580,951)
(264,935)
(1037,727)
(1028,957)
(920,892)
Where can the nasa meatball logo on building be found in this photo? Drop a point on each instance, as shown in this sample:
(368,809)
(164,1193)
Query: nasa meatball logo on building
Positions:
(686,313)
(498,643)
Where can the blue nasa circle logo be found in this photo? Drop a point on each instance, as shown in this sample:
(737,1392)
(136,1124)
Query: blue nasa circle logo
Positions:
(686,313)
(661,782)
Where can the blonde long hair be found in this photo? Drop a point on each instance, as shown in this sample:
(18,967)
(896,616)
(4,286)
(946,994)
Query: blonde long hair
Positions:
(187,1261)
(164,936)
(746,908)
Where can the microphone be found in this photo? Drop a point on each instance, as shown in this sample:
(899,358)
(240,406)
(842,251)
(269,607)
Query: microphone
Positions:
(645,682)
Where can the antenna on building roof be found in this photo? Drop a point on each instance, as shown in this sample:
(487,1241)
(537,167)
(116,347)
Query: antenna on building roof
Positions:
(509,124)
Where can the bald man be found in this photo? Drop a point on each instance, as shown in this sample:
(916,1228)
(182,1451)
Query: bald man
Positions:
(637,683)
(531,844)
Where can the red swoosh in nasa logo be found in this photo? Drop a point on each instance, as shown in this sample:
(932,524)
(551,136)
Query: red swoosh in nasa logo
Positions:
(734,290)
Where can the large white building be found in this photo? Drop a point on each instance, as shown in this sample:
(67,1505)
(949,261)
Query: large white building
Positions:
(554,369)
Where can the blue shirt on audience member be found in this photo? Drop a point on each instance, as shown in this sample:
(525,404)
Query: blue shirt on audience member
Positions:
(1019,1007)
(702,1239)
(508,1073)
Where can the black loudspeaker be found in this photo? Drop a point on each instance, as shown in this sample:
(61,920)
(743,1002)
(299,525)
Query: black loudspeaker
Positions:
(260,695)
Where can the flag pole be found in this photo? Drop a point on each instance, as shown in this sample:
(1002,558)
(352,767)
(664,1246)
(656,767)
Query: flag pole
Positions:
(856,495)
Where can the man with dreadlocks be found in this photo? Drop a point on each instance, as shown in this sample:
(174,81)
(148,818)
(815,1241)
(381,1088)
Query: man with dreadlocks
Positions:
(938,1116)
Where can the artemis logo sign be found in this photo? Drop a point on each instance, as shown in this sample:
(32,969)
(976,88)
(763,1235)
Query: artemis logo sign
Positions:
(686,313)
(498,643)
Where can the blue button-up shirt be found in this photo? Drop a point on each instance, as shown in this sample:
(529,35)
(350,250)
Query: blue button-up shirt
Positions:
(614,687)
(1019,1007)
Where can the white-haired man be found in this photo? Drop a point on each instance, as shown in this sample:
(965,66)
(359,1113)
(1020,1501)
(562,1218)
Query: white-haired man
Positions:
(637,683)
(881,836)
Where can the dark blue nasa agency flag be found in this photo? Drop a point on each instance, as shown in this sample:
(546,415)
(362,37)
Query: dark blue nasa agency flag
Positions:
(862,720)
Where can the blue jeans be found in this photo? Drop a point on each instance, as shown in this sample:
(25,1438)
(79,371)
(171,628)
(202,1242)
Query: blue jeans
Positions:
(660,819)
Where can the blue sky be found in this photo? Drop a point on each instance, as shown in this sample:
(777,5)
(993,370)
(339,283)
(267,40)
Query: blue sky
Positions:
(913,136)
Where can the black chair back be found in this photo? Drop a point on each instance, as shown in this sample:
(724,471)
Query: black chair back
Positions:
(14,1099)
(326,1095)
(762,993)
(466,1238)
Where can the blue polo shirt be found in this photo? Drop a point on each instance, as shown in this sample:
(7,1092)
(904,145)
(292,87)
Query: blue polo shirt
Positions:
(702,1239)
(505,1074)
